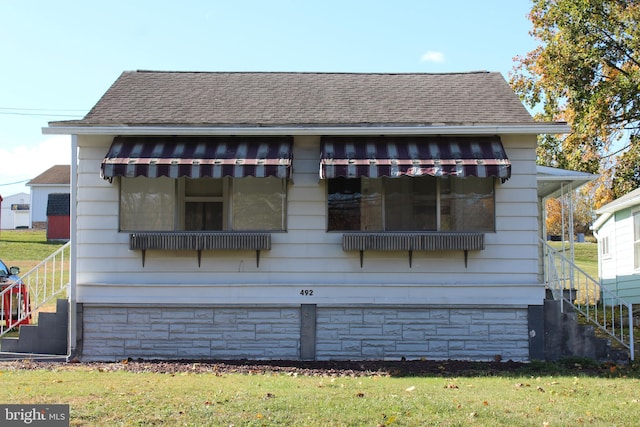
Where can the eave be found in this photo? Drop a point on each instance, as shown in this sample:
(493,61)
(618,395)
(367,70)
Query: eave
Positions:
(513,129)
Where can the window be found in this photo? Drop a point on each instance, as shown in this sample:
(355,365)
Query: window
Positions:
(604,247)
(203,204)
(424,203)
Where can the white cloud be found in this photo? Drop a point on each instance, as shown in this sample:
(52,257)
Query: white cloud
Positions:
(432,56)
(23,163)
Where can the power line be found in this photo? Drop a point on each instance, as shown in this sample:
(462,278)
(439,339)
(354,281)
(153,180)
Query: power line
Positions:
(39,112)
(14,183)
(38,109)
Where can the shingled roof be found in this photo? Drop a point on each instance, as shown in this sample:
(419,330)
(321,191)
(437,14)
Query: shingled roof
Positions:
(237,99)
(55,175)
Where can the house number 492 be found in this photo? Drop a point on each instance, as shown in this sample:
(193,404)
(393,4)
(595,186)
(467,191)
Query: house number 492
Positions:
(306,292)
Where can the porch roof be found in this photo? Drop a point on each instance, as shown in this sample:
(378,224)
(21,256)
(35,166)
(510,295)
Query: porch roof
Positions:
(551,181)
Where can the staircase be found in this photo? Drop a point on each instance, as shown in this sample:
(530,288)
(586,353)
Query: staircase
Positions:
(42,333)
(49,336)
(571,295)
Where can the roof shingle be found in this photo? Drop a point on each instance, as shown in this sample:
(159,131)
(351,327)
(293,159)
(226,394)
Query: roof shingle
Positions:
(237,99)
(55,175)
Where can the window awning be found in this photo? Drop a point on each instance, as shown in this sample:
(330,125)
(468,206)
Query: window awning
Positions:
(198,157)
(373,157)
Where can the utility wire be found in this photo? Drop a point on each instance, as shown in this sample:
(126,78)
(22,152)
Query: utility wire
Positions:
(14,183)
(39,112)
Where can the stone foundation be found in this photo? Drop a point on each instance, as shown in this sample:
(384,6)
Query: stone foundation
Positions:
(294,333)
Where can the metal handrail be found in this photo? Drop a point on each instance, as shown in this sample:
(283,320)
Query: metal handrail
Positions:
(45,282)
(572,285)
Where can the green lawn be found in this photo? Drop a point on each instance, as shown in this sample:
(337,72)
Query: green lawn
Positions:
(108,395)
(586,256)
(25,248)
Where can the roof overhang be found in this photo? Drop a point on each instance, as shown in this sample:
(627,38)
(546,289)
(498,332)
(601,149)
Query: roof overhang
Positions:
(629,200)
(553,182)
(526,129)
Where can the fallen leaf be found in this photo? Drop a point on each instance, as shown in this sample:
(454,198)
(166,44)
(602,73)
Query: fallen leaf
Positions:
(360,394)
(485,403)
(540,389)
(451,385)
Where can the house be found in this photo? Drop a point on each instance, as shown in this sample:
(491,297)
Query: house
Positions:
(56,179)
(14,212)
(325,216)
(617,230)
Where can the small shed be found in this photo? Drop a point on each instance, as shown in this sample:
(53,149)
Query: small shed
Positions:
(58,216)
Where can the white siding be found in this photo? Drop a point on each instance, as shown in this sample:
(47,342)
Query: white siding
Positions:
(11,219)
(40,198)
(306,256)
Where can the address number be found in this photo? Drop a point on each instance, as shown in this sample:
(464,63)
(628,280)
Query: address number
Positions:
(306,292)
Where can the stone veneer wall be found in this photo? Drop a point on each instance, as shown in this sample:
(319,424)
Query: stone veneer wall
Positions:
(341,333)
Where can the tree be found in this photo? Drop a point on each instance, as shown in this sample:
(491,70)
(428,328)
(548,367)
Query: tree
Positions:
(586,72)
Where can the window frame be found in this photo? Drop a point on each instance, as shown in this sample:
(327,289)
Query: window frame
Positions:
(438,206)
(180,200)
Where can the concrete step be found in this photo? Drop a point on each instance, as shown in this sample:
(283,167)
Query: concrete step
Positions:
(49,336)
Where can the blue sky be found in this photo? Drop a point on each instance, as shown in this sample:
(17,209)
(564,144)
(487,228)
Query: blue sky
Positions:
(59,57)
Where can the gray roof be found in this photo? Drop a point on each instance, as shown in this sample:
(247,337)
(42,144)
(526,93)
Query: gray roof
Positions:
(59,204)
(144,98)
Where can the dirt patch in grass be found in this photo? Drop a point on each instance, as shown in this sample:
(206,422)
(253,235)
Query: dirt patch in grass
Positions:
(419,368)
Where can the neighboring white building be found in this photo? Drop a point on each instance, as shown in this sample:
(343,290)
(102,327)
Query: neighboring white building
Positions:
(15,211)
(306,216)
(617,229)
(56,179)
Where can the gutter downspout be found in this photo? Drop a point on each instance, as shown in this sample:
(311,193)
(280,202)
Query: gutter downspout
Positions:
(73,333)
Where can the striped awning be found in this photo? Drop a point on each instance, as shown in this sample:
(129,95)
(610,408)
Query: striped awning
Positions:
(373,157)
(198,157)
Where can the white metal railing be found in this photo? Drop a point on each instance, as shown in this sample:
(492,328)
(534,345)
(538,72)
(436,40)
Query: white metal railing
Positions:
(571,285)
(46,282)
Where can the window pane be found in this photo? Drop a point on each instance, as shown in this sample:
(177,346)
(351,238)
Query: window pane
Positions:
(203,216)
(344,195)
(203,187)
(467,204)
(259,204)
(204,207)
(371,205)
(410,203)
(147,204)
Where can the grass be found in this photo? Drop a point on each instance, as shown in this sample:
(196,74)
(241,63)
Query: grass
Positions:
(99,397)
(25,248)
(585,256)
